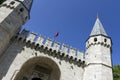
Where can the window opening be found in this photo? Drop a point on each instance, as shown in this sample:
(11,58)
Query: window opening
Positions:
(12,3)
(95,39)
(21,9)
(105,40)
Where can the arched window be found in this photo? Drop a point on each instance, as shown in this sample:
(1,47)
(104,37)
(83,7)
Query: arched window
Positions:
(95,39)
(105,40)
(21,9)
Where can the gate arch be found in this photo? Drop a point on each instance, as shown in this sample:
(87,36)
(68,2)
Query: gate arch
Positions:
(39,68)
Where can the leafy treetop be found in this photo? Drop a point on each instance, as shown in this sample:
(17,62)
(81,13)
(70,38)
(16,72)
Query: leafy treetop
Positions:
(116,72)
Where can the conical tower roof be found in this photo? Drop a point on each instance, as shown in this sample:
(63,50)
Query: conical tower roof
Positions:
(98,28)
(27,3)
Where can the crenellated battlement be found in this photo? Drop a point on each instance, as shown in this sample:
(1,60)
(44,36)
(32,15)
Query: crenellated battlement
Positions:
(51,47)
(7,5)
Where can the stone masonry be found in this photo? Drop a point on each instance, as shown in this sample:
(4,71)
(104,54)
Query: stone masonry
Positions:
(28,56)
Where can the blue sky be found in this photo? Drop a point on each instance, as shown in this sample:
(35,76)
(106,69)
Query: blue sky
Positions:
(74,20)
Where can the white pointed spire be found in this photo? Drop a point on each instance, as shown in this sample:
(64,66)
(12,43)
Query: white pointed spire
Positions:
(27,3)
(98,28)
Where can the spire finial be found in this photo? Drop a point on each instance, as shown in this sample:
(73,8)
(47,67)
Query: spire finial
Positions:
(97,16)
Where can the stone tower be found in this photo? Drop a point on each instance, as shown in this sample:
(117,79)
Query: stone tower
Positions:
(13,14)
(98,54)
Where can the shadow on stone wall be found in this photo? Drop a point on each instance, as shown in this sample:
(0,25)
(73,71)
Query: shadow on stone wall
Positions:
(8,57)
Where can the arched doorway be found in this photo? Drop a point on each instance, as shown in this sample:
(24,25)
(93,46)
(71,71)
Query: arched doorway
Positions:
(39,68)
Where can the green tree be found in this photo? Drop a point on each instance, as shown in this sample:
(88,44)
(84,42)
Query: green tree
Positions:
(116,72)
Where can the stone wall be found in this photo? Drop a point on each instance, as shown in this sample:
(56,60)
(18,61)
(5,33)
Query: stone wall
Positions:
(22,49)
(11,20)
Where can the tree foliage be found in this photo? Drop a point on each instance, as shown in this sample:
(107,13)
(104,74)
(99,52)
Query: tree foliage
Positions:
(116,72)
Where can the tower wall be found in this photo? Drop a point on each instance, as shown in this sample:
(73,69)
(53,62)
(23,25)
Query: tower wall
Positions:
(98,72)
(98,58)
(98,51)
(12,16)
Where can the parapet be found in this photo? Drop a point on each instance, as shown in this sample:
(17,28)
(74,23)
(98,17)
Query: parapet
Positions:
(31,37)
(40,40)
(50,45)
